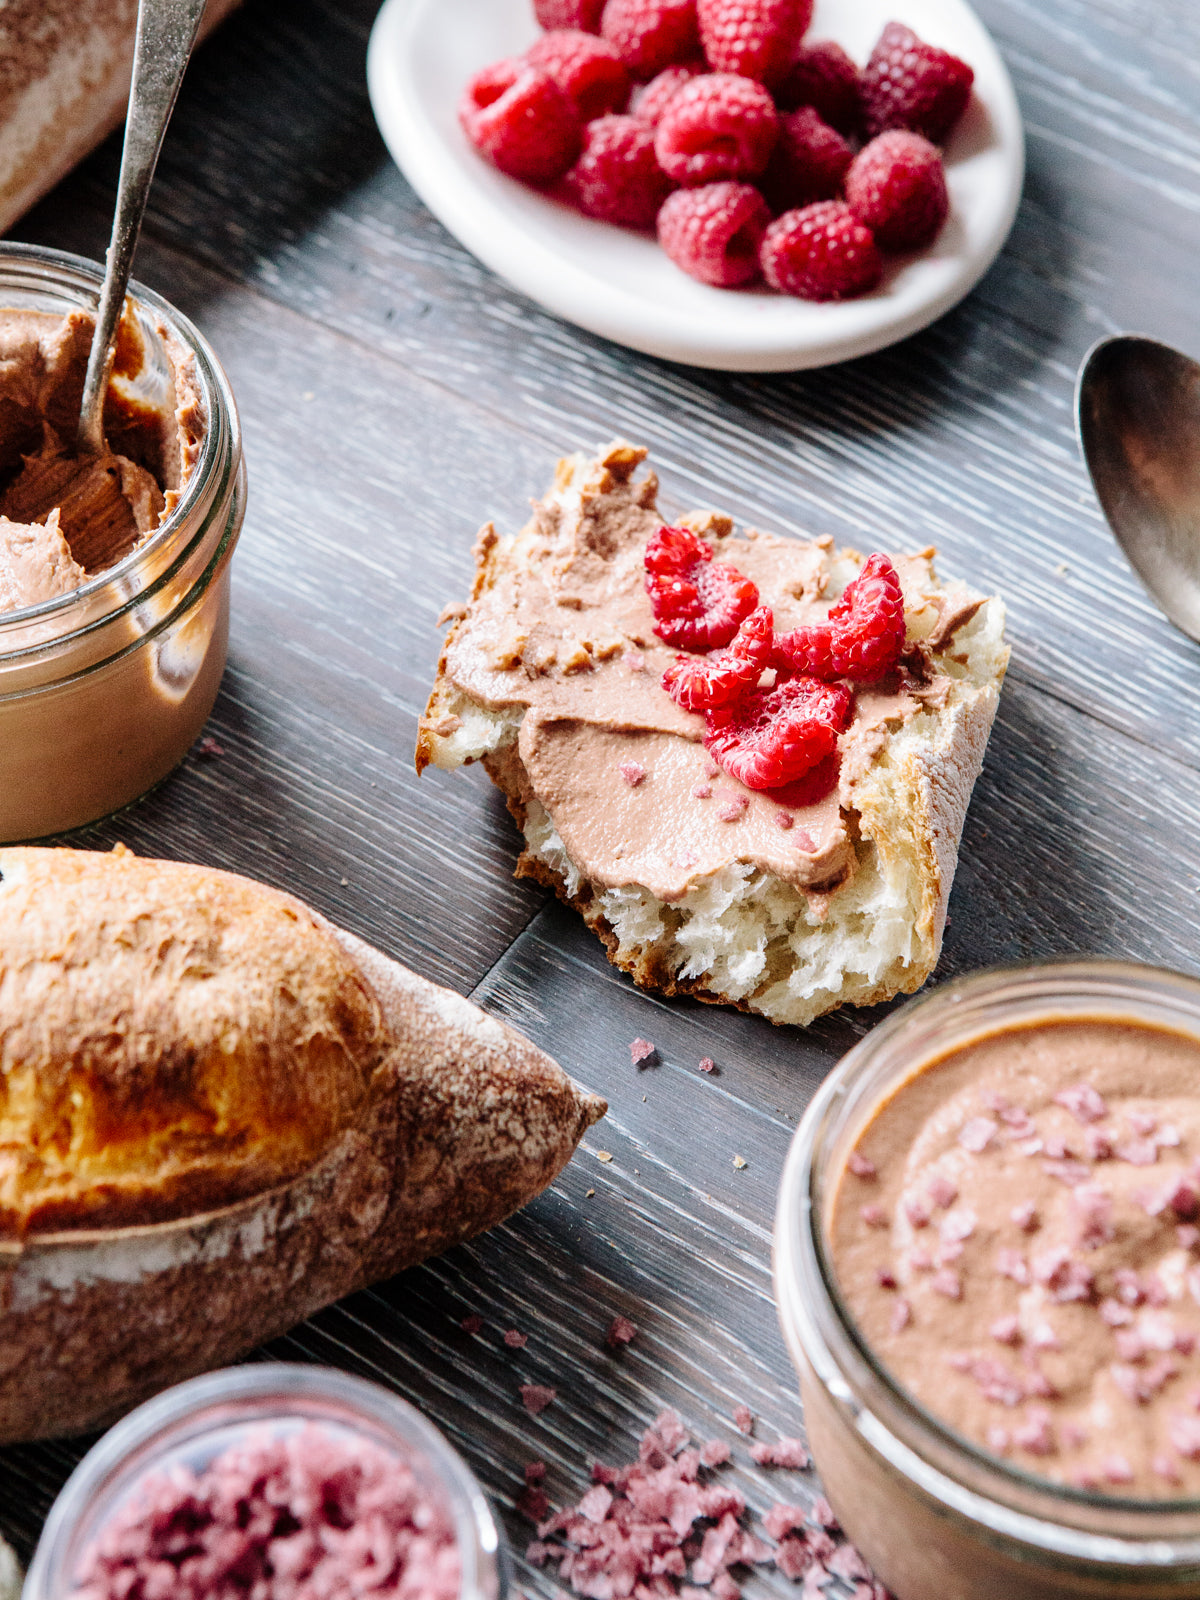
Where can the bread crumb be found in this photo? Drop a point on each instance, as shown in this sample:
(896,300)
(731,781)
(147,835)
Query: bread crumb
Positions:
(1062,569)
(590,1194)
(603,1155)
(739,1162)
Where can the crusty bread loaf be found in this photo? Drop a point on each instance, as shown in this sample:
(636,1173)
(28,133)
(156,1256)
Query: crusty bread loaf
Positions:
(220,1114)
(64,80)
(741,935)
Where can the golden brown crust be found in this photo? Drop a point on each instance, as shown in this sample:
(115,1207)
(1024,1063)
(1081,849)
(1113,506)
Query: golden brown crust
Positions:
(464,1122)
(171,1039)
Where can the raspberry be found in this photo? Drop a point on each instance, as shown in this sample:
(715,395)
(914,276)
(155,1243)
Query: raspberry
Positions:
(808,163)
(581,14)
(650,101)
(823,76)
(517,116)
(771,737)
(756,38)
(821,252)
(618,178)
(897,187)
(718,126)
(715,234)
(588,70)
(706,683)
(699,603)
(910,84)
(864,637)
(651,34)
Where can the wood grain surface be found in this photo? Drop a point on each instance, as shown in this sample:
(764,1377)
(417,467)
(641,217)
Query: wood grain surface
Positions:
(394,395)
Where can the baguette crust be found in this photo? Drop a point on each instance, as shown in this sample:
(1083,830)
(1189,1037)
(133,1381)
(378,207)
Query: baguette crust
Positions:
(906,810)
(465,1121)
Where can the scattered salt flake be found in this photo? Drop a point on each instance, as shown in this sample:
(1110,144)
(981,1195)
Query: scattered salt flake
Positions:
(634,660)
(712,770)
(1187,1236)
(633,772)
(702,791)
(533,1503)
(846,1562)
(823,1516)
(793,1557)
(535,1397)
(641,1050)
(901,1316)
(603,1155)
(1035,1434)
(743,1419)
(1093,1207)
(1097,1144)
(1085,1103)
(714,1452)
(1064,1275)
(1164,1467)
(1024,1216)
(1006,1330)
(860,1166)
(942,1191)
(620,1331)
(739,1162)
(976,1134)
(917,1212)
(1137,1152)
(516,1340)
(595,1503)
(208,746)
(1116,1468)
(779,1520)
(471,1324)
(1184,1433)
(537,1553)
(707,1064)
(958,1225)
(535,1471)
(733,810)
(784,820)
(886,1278)
(1143,1123)
(920,1261)
(997,1439)
(947,1282)
(1012,1264)
(1043,1337)
(791,1453)
(1073,1436)
(1068,1171)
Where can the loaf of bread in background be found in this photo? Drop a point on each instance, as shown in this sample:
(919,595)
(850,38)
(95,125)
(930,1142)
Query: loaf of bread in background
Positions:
(220,1113)
(64,81)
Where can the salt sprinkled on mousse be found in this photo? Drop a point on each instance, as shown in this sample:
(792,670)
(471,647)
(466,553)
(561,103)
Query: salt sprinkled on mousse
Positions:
(1017,1236)
(279,1517)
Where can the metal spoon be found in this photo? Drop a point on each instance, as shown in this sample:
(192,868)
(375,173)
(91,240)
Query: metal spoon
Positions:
(166,31)
(1137,404)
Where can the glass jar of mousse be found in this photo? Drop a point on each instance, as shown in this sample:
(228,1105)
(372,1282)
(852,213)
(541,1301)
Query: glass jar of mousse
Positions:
(103,690)
(195,1423)
(932,1511)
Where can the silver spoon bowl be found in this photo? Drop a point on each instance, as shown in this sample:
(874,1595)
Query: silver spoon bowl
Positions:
(1137,405)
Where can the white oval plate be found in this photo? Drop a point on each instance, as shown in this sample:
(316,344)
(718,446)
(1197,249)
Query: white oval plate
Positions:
(620,284)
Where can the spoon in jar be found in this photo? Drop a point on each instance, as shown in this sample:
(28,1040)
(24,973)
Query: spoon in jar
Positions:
(166,32)
(1137,405)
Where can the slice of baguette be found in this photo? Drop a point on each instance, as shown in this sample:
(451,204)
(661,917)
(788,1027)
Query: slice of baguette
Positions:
(742,936)
(202,1017)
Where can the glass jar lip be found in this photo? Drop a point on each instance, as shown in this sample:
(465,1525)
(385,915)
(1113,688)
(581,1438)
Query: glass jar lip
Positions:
(281,1390)
(51,269)
(1098,984)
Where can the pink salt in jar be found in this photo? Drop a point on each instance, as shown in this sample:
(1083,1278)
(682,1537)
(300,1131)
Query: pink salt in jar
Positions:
(293,1475)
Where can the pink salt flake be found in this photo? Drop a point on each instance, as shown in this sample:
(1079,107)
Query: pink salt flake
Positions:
(595,1503)
(886,1278)
(707,1064)
(536,1553)
(1024,1216)
(714,1452)
(781,1519)
(1097,1145)
(901,1316)
(961,1360)
(1056,1148)
(947,1282)
(1012,1264)
(1168,1137)
(1035,1434)
(702,791)
(976,1134)
(1184,1433)
(996,1382)
(533,1503)
(1018,1123)
(712,770)
(997,1439)
(1063,1275)
(641,1050)
(942,1191)
(1155,1290)
(471,1324)
(920,1261)
(815,1579)
(1164,1467)
(1072,1173)
(670,1430)
(1006,1330)
(1137,1152)
(1187,1235)
(633,772)
(634,661)
(1038,1386)
(1184,1201)
(1085,1103)
(790,1453)
(1129,1381)
(1116,1468)
(1043,1337)
(686,859)
(846,1562)
(734,809)
(743,1419)
(535,1397)
(784,820)
(620,1331)
(1073,1436)
(805,841)
(917,1212)
(312,1512)
(1129,1287)
(515,1340)
(535,1471)
(1143,1123)
(1093,1209)
(724,1588)
(1114,1313)
(957,1225)
(793,1557)
(860,1166)
(1157,1331)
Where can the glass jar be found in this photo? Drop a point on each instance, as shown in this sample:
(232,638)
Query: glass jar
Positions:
(930,1511)
(104,690)
(194,1422)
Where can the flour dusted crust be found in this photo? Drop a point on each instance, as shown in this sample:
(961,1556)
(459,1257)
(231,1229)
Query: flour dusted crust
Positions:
(438,1122)
(744,938)
(64,79)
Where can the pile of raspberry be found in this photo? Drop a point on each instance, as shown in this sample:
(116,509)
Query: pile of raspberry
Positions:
(755,154)
(773,703)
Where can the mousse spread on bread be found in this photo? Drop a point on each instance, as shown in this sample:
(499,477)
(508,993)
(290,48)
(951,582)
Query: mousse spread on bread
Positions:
(745,759)
(221,1113)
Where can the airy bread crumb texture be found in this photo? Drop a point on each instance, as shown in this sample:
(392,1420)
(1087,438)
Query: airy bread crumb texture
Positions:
(742,936)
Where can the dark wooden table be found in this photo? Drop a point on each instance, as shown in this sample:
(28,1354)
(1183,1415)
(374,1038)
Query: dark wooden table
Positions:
(394,395)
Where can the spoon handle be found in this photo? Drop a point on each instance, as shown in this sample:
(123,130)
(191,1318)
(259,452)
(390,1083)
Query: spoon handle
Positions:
(166,31)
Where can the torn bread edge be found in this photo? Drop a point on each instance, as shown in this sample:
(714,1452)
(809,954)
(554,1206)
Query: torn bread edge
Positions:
(743,937)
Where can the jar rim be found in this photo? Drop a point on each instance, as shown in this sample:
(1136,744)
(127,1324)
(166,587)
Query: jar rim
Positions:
(282,1390)
(924,1449)
(48,270)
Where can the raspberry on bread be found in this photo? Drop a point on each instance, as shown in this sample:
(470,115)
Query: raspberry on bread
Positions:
(821,881)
